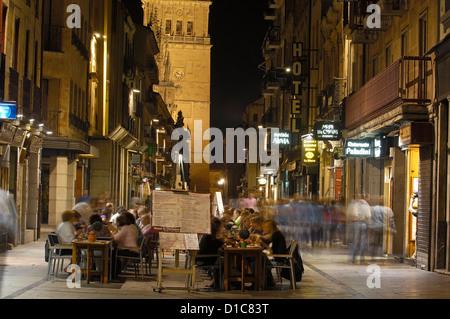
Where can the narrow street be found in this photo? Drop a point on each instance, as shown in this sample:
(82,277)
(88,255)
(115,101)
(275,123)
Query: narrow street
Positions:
(225,136)
(328,275)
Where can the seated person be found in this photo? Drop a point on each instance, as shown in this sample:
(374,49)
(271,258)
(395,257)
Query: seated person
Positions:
(256,223)
(212,245)
(104,232)
(132,221)
(141,212)
(272,235)
(66,231)
(246,220)
(126,237)
(79,223)
(145,223)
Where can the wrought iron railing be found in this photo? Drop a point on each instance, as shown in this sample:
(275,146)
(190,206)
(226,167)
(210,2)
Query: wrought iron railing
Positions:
(330,99)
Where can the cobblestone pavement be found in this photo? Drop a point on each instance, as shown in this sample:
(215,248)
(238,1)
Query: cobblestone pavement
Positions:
(328,275)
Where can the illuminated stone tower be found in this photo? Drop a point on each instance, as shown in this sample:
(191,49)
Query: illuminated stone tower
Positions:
(184,62)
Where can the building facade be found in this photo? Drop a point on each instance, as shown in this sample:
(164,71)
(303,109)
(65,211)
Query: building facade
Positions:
(65,81)
(371,84)
(22,116)
(184,65)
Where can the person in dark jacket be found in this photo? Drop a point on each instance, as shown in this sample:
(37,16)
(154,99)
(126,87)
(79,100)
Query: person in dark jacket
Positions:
(272,238)
(273,235)
(212,245)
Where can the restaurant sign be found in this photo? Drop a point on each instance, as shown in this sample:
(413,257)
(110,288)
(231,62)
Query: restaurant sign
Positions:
(281,138)
(358,148)
(328,131)
(310,152)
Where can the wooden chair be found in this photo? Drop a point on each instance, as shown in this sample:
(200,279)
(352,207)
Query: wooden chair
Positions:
(137,258)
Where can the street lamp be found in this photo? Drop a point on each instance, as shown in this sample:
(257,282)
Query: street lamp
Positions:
(221,182)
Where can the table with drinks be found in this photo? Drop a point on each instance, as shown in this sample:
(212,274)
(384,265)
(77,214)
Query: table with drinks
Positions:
(91,246)
(243,261)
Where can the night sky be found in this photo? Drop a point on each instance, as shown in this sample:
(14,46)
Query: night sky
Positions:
(237,29)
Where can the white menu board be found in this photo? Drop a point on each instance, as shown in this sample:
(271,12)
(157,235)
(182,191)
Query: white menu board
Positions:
(181,212)
(178,241)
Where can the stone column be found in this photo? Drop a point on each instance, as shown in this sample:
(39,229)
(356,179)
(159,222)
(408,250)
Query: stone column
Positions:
(57,190)
(71,177)
(34,177)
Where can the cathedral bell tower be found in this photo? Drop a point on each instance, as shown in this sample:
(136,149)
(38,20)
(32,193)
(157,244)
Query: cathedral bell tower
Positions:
(184,61)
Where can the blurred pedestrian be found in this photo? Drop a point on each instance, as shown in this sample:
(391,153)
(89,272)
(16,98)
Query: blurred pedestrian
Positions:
(314,221)
(85,197)
(338,223)
(326,225)
(359,218)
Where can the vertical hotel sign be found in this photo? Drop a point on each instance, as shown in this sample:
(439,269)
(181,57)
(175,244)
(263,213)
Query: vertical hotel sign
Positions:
(296,89)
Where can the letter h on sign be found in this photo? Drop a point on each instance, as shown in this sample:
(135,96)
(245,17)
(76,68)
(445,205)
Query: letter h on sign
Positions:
(297,68)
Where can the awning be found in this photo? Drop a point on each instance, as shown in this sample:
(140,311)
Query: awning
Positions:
(93,153)
(61,143)
(124,138)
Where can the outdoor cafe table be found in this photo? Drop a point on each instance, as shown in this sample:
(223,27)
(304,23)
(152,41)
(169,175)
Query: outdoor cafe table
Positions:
(91,247)
(241,255)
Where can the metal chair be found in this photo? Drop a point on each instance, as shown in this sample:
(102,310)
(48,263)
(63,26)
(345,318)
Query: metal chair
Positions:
(57,253)
(137,255)
(217,266)
(287,264)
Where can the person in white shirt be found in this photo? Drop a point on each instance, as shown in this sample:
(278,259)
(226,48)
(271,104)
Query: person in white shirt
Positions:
(113,218)
(66,231)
